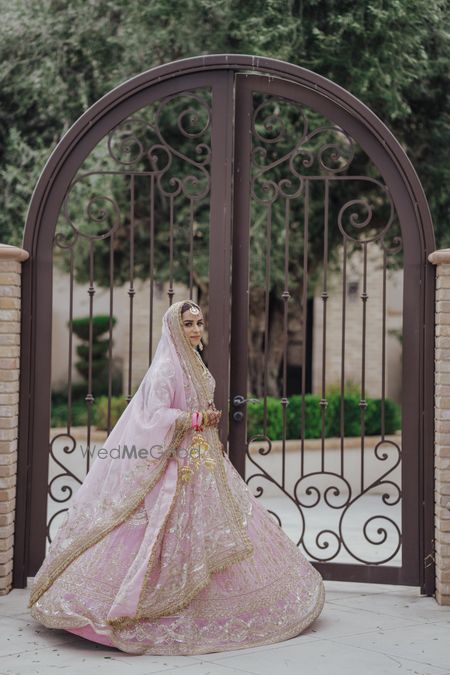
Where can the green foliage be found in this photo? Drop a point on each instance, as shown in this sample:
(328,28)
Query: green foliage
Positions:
(97,353)
(100,324)
(59,57)
(255,418)
(79,409)
(312,415)
(59,414)
(118,405)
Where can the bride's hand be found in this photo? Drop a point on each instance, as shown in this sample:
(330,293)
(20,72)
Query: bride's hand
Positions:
(214,417)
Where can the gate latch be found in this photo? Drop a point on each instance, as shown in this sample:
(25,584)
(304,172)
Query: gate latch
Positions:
(238,400)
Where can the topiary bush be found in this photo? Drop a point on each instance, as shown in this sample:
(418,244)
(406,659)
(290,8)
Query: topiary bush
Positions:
(99,350)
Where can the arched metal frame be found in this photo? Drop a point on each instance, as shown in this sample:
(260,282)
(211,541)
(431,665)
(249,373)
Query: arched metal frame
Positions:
(219,71)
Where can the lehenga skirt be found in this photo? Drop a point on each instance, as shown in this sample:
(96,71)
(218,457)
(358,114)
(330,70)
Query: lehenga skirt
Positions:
(269,596)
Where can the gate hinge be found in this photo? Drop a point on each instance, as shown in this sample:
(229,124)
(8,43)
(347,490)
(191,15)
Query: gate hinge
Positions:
(429,559)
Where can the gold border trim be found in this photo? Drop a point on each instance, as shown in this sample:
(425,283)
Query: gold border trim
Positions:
(213,567)
(40,587)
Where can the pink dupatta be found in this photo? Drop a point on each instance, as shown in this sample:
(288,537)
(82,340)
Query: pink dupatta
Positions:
(212,528)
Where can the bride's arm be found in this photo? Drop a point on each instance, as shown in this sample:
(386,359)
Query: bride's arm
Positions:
(183,424)
(161,409)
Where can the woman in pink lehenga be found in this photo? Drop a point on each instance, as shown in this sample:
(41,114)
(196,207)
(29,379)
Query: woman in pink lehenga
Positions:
(164,549)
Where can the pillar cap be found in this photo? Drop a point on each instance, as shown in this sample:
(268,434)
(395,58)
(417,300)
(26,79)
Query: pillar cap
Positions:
(9,252)
(440,256)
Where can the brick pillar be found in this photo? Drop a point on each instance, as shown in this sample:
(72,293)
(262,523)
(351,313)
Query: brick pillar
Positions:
(441,259)
(11,258)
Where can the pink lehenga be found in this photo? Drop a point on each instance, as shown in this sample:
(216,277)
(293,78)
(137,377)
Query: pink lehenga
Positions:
(168,552)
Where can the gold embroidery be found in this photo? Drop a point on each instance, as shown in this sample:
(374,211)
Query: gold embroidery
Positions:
(261,602)
(198,455)
(183,424)
(218,637)
(69,556)
(194,590)
(285,596)
(214,566)
(123,619)
(184,421)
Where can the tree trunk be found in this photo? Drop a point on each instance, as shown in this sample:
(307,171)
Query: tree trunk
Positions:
(276,342)
(256,333)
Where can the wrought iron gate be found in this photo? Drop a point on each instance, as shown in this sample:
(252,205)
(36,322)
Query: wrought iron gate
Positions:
(260,155)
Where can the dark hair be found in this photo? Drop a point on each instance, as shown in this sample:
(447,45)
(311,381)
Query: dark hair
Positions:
(188,305)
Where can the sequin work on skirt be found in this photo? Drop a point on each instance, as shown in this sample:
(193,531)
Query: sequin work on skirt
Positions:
(271,594)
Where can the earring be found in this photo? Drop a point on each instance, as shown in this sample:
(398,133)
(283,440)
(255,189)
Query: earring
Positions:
(200,345)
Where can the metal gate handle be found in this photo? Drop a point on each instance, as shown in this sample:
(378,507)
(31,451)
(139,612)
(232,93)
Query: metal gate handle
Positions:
(238,400)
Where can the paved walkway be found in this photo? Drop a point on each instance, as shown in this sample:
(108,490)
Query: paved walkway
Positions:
(364,629)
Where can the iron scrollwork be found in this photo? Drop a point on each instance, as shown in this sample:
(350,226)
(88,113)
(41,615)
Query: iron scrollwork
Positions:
(167,147)
(284,166)
(337,494)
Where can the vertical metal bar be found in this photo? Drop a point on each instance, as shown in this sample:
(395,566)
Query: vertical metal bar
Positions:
(111,309)
(240,278)
(34,412)
(219,310)
(89,396)
(21,530)
(305,320)
(267,309)
(191,246)
(363,403)
(171,292)
(344,307)
(427,545)
(69,365)
(151,264)
(323,402)
(131,290)
(383,347)
(285,297)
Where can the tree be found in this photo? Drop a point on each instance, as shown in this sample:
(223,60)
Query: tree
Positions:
(59,57)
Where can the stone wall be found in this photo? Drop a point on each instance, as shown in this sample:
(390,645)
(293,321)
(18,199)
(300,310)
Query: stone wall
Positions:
(442,424)
(10,276)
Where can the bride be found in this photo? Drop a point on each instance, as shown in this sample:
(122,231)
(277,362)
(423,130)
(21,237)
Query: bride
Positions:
(164,550)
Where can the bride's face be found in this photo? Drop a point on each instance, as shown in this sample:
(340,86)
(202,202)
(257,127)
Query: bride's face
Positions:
(193,326)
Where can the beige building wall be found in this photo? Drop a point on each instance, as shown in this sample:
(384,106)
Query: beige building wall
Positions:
(121,331)
(353,344)
(354,327)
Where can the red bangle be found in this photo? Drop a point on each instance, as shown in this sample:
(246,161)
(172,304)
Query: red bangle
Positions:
(197,421)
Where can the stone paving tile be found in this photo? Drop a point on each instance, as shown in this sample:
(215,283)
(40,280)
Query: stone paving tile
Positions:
(364,629)
(322,657)
(427,643)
